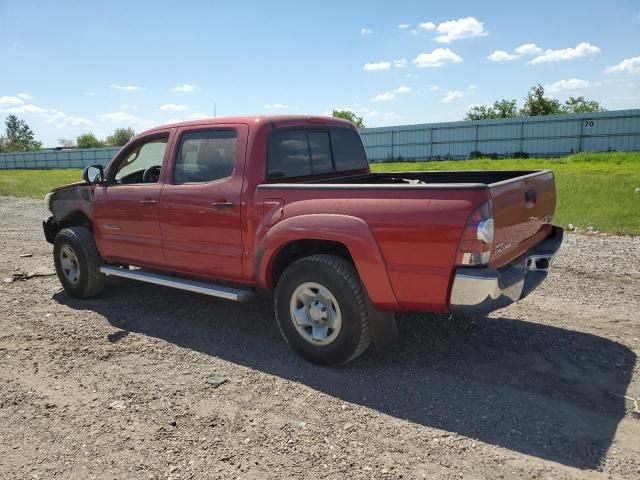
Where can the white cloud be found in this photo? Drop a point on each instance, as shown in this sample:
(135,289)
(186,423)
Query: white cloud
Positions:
(402,26)
(71,122)
(502,56)
(4,100)
(522,50)
(121,117)
(452,95)
(427,26)
(528,49)
(468,27)
(60,119)
(89,94)
(628,65)
(28,108)
(582,50)
(382,97)
(472,87)
(433,88)
(400,63)
(373,66)
(566,85)
(276,106)
(186,88)
(174,107)
(25,96)
(365,31)
(437,58)
(126,106)
(52,115)
(128,88)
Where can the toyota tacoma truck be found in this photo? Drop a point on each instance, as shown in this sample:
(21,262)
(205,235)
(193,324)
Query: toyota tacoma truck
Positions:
(287,204)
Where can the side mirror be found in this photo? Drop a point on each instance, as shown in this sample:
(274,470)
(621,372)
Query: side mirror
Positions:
(93,174)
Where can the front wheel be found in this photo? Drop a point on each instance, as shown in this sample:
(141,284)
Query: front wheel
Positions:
(78,262)
(321,310)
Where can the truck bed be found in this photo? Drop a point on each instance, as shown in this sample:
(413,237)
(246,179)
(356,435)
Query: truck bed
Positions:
(523,201)
(452,179)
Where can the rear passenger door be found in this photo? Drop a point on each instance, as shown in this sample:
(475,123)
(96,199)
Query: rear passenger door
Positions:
(201,202)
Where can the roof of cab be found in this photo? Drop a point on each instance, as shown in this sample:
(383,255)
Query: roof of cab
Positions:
(276,120)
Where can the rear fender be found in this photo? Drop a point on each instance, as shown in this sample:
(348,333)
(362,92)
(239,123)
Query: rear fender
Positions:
(350,231)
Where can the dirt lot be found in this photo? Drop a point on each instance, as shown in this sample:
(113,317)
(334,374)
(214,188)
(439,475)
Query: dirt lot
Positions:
(120,387)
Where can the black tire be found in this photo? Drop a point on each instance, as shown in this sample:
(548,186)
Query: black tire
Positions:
(90,281)
(342,280)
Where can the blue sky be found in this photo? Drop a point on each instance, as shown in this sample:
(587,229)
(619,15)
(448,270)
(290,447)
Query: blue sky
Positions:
(70,67)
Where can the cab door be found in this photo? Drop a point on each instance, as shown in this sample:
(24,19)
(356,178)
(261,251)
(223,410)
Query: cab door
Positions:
(126,208)
(201,202)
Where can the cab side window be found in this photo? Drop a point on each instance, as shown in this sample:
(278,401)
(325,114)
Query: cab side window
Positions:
(142,164)
(205,156)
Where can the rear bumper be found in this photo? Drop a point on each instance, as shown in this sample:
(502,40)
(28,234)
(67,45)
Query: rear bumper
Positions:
(477,291)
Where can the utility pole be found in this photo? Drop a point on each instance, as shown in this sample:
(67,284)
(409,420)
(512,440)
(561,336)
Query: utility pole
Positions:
(214,110)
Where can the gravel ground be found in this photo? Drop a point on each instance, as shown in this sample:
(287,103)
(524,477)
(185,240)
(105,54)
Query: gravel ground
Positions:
(124,386)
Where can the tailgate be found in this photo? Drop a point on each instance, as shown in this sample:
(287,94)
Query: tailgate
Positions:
(523,209)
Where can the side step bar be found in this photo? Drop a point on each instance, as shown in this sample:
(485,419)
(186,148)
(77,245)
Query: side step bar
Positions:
(228,293)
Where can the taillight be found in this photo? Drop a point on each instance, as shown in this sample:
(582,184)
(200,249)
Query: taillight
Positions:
(477,237)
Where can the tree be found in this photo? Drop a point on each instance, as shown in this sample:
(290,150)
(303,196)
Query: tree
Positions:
(480,112)
(88,140)
(66,142)
(120,136)
(581,105)
(505,108)
(348,115)
(18,136)
(500,109)
(537,104)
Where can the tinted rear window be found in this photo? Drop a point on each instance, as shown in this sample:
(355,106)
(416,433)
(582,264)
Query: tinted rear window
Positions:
(298,153)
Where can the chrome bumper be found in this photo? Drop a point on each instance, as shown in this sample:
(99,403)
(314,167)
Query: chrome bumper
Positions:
(477,291)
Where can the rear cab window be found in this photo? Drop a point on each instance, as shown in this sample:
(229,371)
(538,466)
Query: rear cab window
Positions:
(301,152)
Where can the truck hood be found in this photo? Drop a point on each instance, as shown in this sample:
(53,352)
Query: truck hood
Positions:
(69,185)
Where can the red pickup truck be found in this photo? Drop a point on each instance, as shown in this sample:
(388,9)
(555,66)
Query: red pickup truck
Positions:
(288,204)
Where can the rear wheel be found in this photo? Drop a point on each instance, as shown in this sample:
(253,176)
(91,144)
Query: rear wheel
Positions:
(321,310)
(78,262)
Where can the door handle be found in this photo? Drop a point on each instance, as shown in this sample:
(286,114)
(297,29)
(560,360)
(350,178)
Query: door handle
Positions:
(223,204)
(148,202)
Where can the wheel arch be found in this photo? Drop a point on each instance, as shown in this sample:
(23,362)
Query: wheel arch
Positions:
(76,218)
(342,235)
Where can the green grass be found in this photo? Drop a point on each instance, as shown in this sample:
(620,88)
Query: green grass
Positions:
(596,189)
(35,183)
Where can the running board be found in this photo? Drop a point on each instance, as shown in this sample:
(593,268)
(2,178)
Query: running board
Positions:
(228,293)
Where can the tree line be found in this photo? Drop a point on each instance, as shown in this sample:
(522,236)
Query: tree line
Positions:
(118,138)
(18,137)
(535,104)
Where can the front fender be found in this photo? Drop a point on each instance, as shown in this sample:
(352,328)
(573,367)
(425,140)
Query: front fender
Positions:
(350,231)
